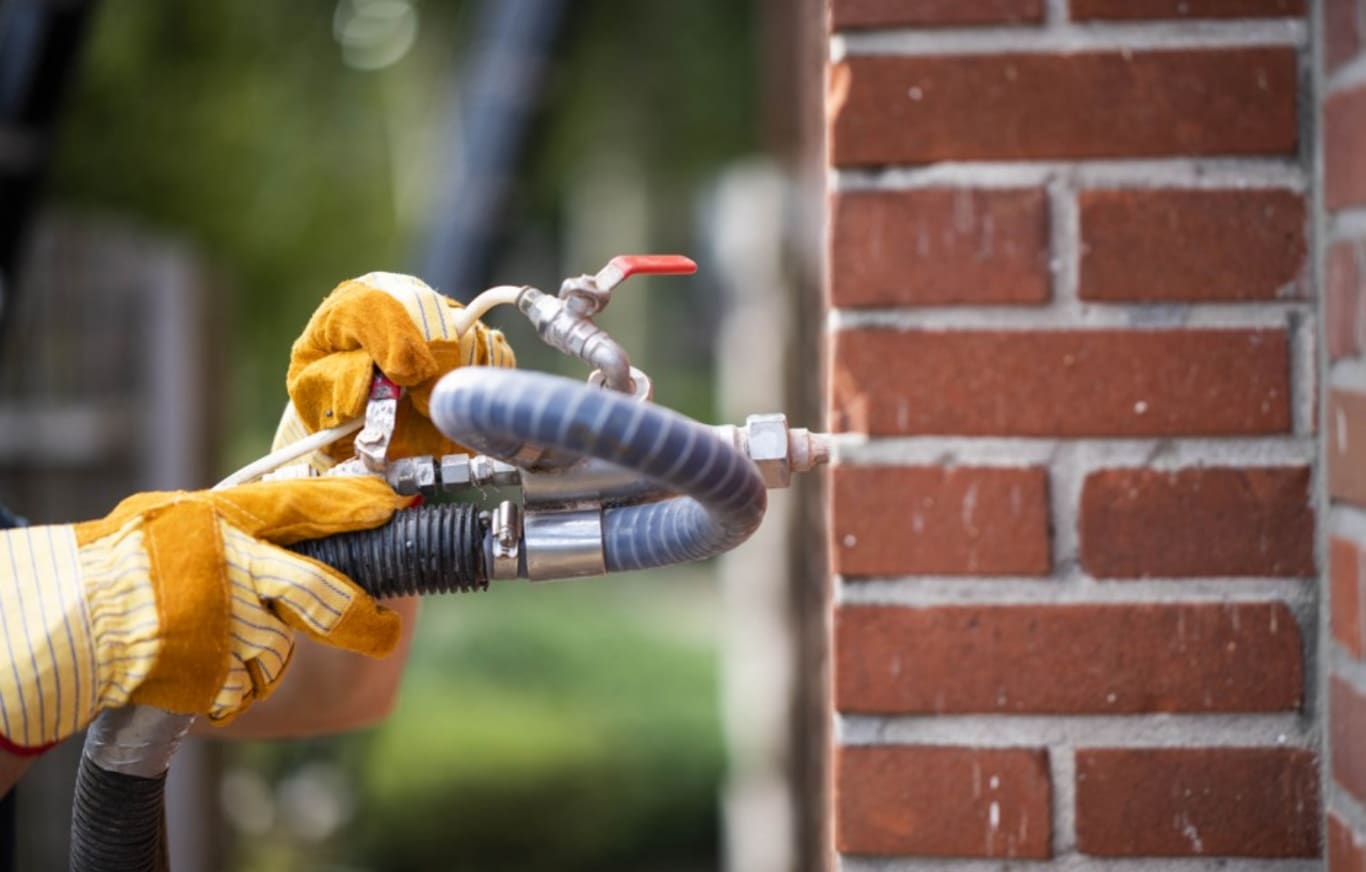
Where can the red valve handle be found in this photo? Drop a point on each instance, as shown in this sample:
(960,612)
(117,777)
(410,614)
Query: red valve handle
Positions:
(653,264)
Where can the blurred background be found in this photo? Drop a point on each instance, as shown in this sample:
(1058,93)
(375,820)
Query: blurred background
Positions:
(180,186)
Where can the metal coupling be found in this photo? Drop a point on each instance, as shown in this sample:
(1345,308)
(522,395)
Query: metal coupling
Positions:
(461,470)
(412,475)
(564,544)
(643,390)
(453,472)
(776,449)
(560,327)
(590,482)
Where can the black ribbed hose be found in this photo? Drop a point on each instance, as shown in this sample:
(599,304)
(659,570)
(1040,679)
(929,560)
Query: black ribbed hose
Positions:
(118,821)
(426,550)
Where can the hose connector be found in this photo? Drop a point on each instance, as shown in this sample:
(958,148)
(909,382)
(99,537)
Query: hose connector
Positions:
(566,322)
(777,449)
(560,327)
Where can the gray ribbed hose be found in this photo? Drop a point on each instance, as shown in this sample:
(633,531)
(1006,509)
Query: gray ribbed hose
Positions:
(500,412)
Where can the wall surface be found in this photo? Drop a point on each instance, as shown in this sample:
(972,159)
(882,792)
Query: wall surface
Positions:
(1342,84)
(1073,249)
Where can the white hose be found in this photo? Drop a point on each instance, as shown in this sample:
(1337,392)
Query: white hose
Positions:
(502,295)
(292,451)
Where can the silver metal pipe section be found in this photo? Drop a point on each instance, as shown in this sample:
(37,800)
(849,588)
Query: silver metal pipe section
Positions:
(135,740)
(588,482)
(563,544)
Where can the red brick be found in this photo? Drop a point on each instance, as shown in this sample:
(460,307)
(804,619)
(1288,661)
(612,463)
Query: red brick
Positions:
(1102,659)
(1345,852)
(1192,245)
(943,801)
(1341,32)
(1175,802)
(1061,382)
(1347,735)
(892,13)
(1342,300)
(939,246)
(961,521)
(1201,521)
(894,109)
(1347,446)
(1344,144)
(1133,9)
(1348,618)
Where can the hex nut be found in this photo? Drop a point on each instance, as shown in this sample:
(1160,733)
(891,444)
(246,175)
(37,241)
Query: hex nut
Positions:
(768,448)
(402,476)
(425,471)
(455,472)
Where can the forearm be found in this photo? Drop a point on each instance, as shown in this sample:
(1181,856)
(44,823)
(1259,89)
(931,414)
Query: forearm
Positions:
(326,690)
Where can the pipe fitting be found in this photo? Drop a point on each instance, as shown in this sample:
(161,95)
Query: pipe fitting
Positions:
(562,328)
(563,544)
(590,482)
(643,389)
(453,472)
(777,449)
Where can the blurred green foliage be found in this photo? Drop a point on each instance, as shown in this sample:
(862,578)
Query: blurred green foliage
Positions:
(235,124)
(560,727)
(540,727)
(550,729)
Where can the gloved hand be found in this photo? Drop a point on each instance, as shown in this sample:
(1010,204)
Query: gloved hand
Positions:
(399,324)
(183,601)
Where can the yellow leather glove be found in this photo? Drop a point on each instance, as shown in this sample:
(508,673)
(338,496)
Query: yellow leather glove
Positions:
(183,601)
(401,325)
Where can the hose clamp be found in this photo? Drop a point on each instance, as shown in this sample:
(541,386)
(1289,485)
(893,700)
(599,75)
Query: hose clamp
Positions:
(503,546)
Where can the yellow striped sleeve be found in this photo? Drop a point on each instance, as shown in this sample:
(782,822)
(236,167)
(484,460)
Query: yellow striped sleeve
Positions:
(50,684)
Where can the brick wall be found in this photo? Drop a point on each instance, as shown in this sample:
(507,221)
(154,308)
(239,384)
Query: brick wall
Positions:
(1074,354)
(1342,80)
